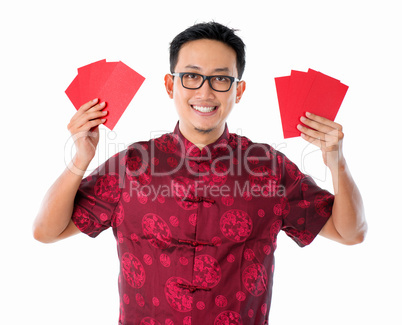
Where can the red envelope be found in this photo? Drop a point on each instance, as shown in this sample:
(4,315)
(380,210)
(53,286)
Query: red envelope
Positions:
(282,90)
(325,96)
(303,92)
(112,82)
(73,92)
(86,85)
(99,77)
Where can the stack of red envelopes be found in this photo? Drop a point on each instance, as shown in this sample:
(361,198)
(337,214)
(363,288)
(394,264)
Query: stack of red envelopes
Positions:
(303,92)
(112,82)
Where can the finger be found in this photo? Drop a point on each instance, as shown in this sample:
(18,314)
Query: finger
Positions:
(93,124)
(94,115)
(82,112)
(80,122)
(323,120)
(326,140)
(88,105)
(315,141)
(316,125)
(311,132)
(97,107)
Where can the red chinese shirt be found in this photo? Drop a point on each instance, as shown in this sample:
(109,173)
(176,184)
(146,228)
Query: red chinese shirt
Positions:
(196,229)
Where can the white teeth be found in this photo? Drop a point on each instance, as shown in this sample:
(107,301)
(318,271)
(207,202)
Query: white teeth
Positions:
(204,109)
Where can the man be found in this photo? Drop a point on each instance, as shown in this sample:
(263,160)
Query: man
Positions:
(196,212)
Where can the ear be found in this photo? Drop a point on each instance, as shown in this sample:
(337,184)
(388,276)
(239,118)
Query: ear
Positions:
(241,87)
(169,85)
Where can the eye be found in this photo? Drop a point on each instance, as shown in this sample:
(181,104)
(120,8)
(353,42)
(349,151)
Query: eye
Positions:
(221,79)
(191,76)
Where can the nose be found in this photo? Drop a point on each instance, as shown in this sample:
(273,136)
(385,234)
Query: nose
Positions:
(205,91)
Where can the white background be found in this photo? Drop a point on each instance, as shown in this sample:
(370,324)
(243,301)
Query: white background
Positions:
(44,42)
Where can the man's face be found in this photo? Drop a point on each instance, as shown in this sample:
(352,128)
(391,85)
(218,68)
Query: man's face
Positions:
(203,112)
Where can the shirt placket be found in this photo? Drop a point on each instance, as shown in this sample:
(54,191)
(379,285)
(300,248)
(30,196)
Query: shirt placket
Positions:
(198,168)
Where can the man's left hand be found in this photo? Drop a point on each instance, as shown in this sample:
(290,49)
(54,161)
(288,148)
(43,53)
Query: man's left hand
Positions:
(325,134)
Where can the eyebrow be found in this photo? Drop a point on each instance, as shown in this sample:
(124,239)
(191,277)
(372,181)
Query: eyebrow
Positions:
(194,67)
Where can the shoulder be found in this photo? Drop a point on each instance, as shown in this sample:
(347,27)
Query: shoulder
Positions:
(257,149)
(164,142)
(262,156)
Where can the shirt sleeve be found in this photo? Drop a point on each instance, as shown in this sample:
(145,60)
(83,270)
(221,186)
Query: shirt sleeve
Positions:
(98,196)
(306,207)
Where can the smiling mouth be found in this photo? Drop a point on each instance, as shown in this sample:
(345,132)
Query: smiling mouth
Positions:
(204,109)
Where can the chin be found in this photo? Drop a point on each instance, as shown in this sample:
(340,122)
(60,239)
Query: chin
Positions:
(203,130)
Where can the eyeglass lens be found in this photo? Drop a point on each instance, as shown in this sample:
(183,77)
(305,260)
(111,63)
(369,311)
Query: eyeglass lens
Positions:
(194,81)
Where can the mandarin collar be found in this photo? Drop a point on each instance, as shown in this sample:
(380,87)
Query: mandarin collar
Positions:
(212,150)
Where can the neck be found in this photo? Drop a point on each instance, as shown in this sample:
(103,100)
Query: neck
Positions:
(201,138)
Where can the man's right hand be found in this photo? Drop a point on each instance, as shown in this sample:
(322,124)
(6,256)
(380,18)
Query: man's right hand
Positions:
(83,127)
(53,221)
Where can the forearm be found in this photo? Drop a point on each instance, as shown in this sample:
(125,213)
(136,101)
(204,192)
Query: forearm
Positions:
(348,211)
(57,206)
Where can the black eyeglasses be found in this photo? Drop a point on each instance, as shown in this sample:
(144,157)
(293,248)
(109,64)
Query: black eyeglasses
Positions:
(191,80)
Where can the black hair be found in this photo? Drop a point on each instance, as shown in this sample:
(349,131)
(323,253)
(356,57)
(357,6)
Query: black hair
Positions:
(213,31)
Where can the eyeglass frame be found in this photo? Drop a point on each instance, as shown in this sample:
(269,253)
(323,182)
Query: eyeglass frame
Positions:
(181,74)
